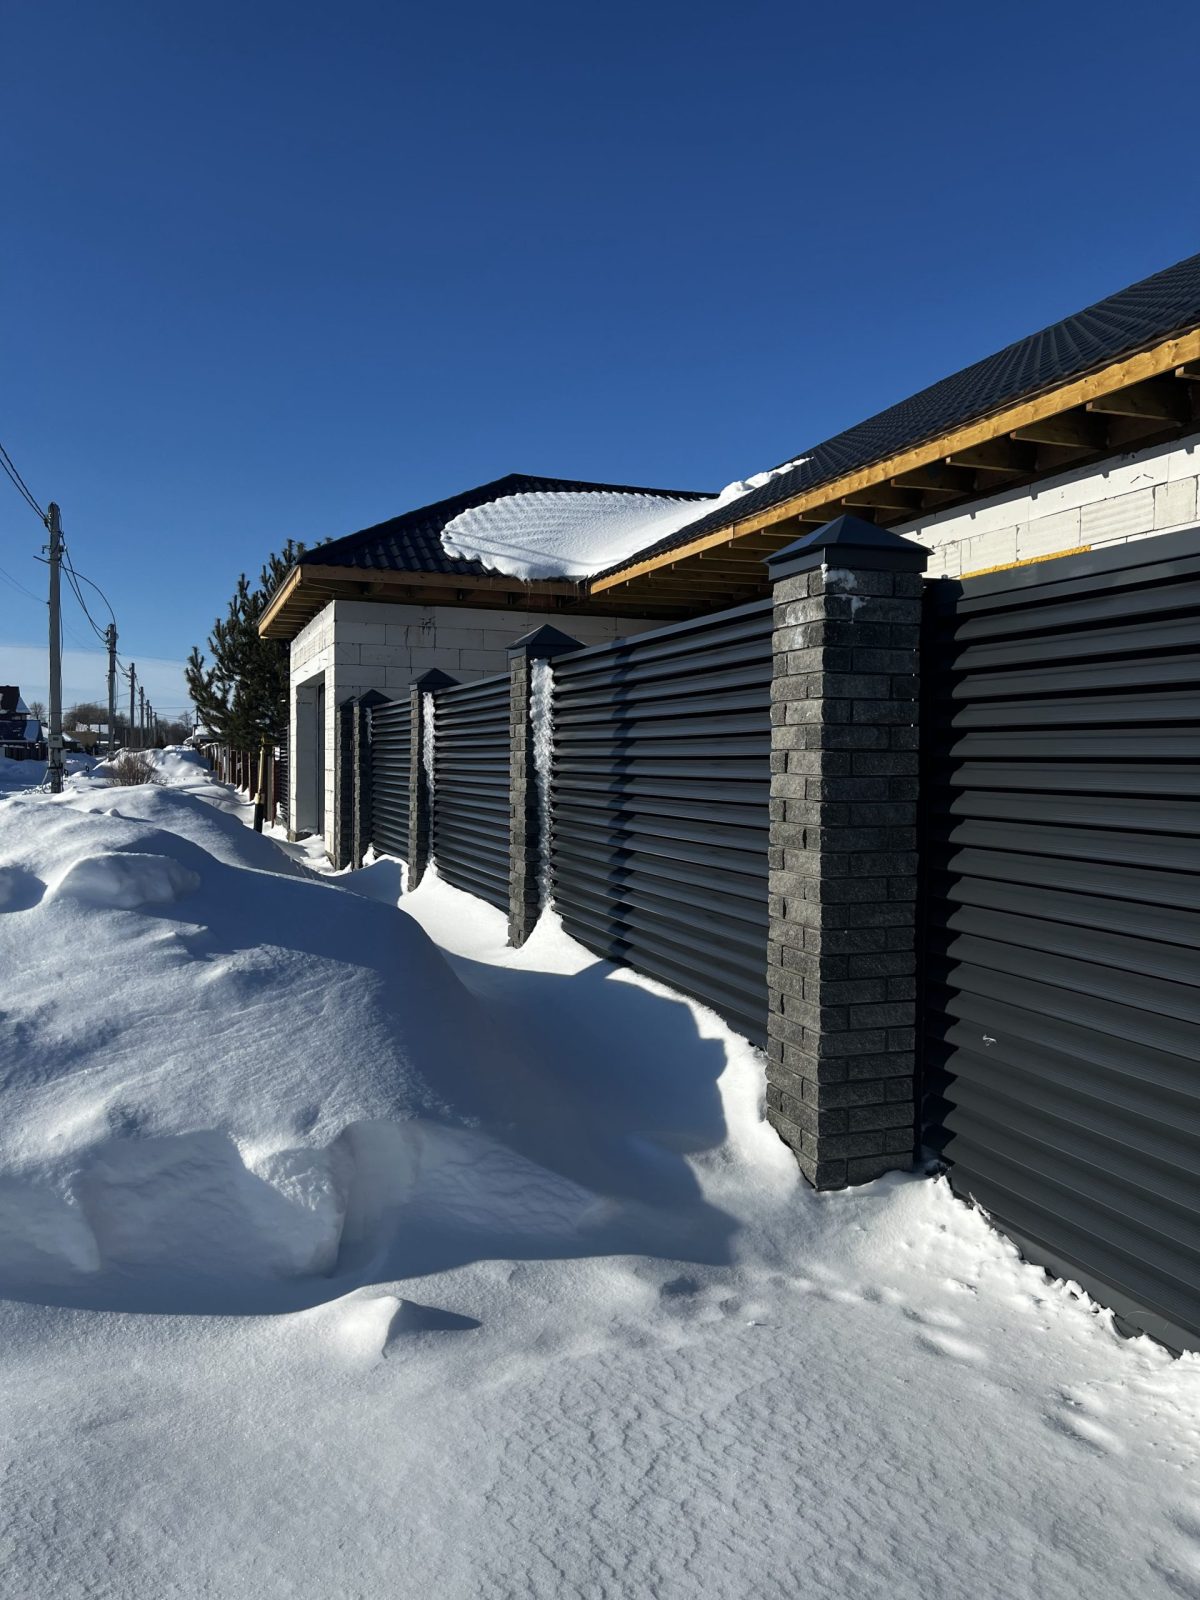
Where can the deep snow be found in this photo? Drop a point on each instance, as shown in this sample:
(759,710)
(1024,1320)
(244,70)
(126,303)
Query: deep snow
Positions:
(348,1252)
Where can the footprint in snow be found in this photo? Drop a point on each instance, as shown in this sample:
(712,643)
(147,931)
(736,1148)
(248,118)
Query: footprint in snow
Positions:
(934,1318)
(1077,1417)
(945,1344)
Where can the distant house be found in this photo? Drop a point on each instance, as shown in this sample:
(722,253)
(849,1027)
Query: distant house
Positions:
(1083,435)
(20,731)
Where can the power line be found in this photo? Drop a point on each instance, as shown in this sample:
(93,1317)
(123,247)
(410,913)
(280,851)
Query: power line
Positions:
(18,585)
(19,484)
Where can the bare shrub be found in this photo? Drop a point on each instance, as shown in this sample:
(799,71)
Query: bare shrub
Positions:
(130,767)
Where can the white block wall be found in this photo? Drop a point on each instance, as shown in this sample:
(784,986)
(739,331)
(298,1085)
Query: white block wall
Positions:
(359,645)
(1128,497)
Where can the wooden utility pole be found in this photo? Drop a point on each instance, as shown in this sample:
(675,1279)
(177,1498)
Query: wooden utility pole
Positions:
(110,639)
(54,766)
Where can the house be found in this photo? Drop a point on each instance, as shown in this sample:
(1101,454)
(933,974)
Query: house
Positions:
(20,731)
(1083,435)
(378,608)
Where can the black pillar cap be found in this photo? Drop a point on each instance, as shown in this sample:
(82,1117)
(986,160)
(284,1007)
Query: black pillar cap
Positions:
(850,542)
(543,643)
(435,678)
(373,697)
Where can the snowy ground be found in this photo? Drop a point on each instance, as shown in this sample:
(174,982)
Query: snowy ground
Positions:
(348,1253)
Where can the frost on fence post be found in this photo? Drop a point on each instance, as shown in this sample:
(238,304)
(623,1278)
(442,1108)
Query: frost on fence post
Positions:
(531,736)
(422,771)
(541,716)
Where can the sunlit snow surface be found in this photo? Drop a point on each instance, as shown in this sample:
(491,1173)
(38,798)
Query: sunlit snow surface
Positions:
(351,1253)
(557,534)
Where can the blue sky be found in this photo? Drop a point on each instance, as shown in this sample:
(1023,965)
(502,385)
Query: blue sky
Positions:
(277,270)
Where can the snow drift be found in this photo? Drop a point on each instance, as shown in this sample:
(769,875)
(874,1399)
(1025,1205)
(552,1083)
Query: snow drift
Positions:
(218,1070)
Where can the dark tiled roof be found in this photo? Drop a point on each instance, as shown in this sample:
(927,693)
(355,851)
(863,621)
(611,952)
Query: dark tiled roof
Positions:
(1134,319)
(412,542)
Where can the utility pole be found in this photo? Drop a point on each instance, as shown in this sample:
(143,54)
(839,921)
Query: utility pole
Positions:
(54,766)
(110,639)
(141,717)
(132,692)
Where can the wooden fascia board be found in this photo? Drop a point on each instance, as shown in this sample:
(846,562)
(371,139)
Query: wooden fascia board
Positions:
(277,602)
(1151,363)
(389,578)
(325,582)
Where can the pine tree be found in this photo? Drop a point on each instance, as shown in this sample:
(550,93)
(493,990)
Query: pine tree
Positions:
(242,698)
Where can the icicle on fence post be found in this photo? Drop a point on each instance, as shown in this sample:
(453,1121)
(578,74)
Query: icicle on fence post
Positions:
(422,772)
(530,758)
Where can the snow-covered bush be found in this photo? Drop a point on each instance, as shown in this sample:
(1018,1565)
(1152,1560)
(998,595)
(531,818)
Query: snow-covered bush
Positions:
(131,767)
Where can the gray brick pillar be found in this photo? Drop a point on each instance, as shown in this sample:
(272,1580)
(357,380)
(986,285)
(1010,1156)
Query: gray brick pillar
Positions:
(841,970)
(525,801)
(420,796)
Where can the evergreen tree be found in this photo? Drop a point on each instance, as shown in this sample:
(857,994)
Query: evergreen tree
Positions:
(242,698)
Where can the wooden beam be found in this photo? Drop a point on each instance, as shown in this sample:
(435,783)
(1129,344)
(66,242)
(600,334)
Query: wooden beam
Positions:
(946,479)
(886,496)
(996,455)
(1189,372)
(1161,358)
(1159,399)
(1072,428)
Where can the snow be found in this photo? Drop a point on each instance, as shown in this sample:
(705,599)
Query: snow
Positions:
(347,1251)
(576,534)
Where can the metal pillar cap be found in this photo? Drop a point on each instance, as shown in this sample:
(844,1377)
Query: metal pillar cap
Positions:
(850,542)
(542,643)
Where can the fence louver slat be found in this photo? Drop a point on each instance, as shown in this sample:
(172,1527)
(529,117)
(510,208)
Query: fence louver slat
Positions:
(659,816)
(391,755)
(471,788)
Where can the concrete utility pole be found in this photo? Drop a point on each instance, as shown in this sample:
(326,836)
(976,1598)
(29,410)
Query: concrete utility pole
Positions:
(132,693)
(54,767)
(110,639)
(141,718)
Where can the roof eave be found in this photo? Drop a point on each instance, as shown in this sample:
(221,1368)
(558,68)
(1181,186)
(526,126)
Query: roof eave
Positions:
(1155,361)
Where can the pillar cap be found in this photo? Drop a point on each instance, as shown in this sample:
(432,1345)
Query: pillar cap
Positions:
(850,542)
(435,678)
(543,643)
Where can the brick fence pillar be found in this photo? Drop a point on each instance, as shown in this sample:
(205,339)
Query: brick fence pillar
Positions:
(841,970)
(420,779)
(525,799)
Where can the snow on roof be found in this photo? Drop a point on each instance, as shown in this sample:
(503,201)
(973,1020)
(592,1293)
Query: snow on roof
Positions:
(556,534)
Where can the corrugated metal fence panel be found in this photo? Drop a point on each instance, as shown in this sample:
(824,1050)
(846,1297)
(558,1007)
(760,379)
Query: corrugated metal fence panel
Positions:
(471,787)
(1062,916)
(281,781)
(391,755)
(660,813)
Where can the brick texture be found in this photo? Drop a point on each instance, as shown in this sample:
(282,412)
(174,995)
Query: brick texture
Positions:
(843,870)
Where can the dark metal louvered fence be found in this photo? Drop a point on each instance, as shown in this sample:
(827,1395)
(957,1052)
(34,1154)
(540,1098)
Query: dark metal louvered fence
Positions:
(282,780)
(1062,915)
(661,778)
(471,787)
(391,760)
